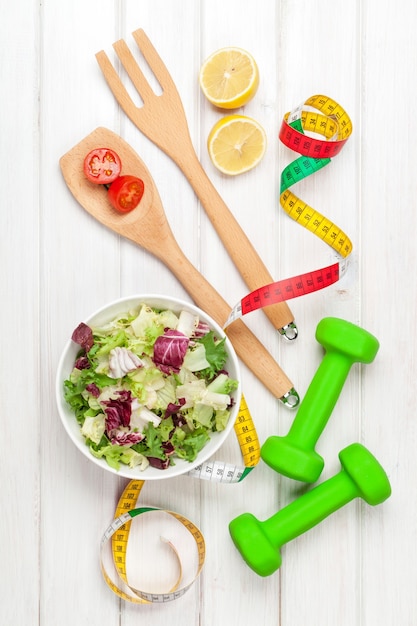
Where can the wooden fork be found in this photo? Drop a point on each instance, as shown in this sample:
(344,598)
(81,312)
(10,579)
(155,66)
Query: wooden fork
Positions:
(162,119)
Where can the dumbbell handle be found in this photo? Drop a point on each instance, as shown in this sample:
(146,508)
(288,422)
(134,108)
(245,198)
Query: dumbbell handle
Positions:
(310,509)
(320,399)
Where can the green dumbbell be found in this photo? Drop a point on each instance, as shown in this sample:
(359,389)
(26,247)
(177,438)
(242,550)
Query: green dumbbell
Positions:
(294,455)
(260,542)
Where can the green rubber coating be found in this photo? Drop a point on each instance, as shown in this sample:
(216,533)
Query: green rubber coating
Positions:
(260,542)
(338,335)
(291,460)
(345,344)
(365,471)
(254,545)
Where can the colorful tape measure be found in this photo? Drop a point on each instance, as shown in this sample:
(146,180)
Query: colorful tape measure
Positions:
(116,537)
(323,116)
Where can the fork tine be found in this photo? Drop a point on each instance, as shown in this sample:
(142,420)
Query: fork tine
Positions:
(115,84)
(133,70)
(154,60)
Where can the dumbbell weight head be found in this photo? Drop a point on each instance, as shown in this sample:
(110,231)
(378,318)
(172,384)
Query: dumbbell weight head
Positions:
(291,460)
(343,337)
(366,473)
(254,545)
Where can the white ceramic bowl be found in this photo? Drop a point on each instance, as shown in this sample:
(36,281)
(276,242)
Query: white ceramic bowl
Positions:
(66,363)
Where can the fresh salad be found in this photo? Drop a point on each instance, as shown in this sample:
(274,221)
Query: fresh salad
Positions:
(149,387)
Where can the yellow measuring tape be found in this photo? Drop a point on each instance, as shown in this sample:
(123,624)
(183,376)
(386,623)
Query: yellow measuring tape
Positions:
(116,537)
(218,471)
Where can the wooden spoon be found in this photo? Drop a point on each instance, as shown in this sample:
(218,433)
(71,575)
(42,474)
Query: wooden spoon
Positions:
(147,226)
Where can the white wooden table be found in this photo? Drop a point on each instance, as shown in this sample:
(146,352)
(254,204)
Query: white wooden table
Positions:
(58,265)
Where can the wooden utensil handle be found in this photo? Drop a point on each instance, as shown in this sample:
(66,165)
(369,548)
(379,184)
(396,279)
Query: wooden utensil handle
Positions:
(249,349)
(237,244)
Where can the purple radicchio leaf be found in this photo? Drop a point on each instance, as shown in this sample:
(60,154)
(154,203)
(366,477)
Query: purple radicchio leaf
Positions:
(179,420)
(172,408)
(202,329)
(83,335)
(158,463)
(123,438)
(168,448)
(169,350)
(118,411)
(93,389)
(82,363)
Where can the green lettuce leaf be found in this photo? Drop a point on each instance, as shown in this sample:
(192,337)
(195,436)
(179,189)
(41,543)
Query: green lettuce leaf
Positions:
(189,447)
(216,354)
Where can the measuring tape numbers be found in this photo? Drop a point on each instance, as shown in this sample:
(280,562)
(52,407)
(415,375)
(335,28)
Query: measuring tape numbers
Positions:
(220,472)
(115,541)
(323,116)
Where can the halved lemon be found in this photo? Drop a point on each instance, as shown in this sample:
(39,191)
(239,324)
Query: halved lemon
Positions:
(229,78)
(236,144)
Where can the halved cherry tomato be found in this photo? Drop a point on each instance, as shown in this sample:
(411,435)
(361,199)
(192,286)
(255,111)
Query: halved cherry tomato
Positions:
(102,166)
(125,193)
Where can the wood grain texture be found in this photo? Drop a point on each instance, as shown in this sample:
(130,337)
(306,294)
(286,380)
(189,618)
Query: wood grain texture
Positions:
(161,118)
(148,227)
(358,567)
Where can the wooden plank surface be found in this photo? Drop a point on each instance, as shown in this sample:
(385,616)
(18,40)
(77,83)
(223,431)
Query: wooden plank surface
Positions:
(58,265)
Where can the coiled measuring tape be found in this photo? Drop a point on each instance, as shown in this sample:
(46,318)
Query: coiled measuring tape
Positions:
(323,116)
(115,540)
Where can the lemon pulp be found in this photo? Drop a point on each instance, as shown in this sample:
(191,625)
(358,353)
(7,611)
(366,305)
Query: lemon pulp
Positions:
(229,78)
(236,144)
